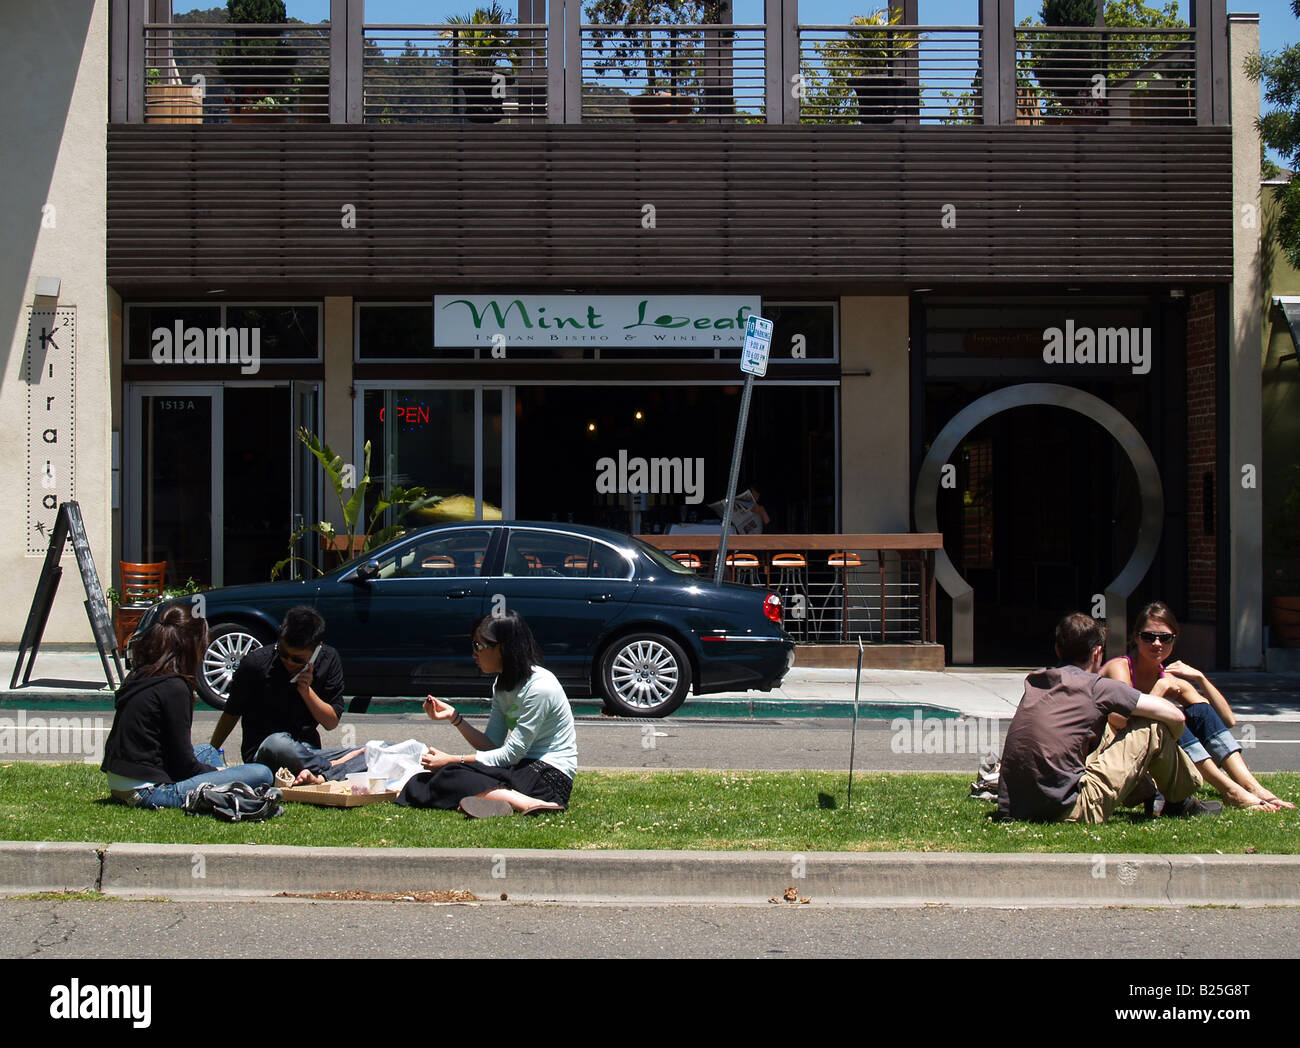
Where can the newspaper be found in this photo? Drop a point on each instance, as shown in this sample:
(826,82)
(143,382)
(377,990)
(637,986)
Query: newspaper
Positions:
(744,521)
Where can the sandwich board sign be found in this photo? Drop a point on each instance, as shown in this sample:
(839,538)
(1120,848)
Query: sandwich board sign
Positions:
(758,342)
(68,524)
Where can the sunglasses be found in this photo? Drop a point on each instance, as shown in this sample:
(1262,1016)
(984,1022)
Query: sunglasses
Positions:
(482,646)
(1161,638)
(292,660)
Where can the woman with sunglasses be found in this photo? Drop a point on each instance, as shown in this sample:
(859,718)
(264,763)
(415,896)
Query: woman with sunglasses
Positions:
(1206,738)
(525,757)
(148,757)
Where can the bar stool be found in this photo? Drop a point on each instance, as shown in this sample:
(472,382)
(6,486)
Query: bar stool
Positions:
(575,566)
(792,578)
(688,560)
(744,568)
(142,587)
(846,561)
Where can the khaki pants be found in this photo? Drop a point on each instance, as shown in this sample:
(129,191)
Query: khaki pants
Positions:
(1114,769)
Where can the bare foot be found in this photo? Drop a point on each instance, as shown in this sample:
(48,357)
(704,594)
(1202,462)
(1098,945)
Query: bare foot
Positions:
(1237,797)
(307,777)
(541,806)
(1270,798)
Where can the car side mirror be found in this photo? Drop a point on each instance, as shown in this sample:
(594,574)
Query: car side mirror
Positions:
(369,570)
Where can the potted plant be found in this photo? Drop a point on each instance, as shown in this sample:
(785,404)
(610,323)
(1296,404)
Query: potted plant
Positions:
(258,65)
(479,47)
(873,59)
(668,61)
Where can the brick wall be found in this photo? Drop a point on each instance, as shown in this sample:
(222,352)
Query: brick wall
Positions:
(1201,440)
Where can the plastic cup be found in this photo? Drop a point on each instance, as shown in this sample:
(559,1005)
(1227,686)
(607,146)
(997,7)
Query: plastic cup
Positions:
(378,783)
(360,783)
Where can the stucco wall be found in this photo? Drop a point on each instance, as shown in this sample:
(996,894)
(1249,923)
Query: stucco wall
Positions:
(53,78)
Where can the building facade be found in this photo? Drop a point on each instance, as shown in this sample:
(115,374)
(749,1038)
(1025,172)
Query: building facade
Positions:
(1009,313)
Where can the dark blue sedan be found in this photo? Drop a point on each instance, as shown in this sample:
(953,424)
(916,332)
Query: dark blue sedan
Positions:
(614,617)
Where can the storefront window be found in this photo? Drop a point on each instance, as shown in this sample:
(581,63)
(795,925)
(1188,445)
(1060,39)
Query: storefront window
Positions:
(283,332)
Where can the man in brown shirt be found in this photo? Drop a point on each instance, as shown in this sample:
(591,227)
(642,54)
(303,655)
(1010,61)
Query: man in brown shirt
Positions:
(1062,761)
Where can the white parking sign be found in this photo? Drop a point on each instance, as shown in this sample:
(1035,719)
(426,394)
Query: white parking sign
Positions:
(758,341)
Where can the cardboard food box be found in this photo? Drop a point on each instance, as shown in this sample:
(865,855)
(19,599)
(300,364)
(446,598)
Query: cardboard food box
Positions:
(329,795)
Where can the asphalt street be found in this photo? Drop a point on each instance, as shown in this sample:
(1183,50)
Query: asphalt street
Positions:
(276,928)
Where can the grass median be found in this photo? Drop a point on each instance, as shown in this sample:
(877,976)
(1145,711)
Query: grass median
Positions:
(796,811)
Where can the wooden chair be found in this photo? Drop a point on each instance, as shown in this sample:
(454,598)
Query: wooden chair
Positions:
(142,587)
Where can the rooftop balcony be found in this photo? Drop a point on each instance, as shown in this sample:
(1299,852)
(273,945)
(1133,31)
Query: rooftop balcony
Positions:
(561,69)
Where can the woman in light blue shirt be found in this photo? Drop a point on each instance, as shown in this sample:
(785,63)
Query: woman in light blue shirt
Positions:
(525,758)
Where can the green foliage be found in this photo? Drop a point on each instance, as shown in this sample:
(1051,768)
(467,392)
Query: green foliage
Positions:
(351,490)
(871,47)
(1069,12)
(258,64)
(666,60)
(1279,72)
(477,44)
(255,11)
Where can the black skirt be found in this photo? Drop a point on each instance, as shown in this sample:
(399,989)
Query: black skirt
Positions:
(449,785)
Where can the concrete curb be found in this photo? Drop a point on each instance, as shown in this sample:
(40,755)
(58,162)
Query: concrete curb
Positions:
(39,866)
(527,875)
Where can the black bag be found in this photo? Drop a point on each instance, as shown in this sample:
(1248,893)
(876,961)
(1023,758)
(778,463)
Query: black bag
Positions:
(234,802)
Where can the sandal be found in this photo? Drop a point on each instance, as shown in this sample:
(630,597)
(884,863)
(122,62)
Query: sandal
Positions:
(484,808)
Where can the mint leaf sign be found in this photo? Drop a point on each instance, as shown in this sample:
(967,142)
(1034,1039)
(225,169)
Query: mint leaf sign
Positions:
(758,341)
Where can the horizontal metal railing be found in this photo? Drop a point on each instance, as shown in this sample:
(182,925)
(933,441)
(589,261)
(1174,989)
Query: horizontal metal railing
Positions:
(887,74)
(834,589)
(673,73)
(1104,75)
(478,73)
(236,73)
(852,74)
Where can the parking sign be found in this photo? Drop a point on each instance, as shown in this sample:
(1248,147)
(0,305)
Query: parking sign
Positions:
(758,341)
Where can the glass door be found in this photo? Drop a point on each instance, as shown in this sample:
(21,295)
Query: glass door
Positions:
(216,475)
(307,481)
(174,475)
(453,443)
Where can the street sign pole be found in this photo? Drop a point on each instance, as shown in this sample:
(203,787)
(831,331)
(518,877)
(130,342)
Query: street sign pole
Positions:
(753,361)
(734,479)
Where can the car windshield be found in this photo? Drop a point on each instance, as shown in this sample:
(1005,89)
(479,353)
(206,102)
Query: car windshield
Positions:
(661,558)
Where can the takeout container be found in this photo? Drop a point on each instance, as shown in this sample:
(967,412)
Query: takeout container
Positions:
(328,795)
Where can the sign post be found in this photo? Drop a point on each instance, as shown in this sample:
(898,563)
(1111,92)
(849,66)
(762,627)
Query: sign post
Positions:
(753,361)
(68,524)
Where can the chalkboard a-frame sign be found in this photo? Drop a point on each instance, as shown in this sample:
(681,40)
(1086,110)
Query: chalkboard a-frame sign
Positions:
(67,525)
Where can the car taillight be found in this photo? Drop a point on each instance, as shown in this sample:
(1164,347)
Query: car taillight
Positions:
(772,607)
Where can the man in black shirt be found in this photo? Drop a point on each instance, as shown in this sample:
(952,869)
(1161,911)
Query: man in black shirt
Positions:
(284,693)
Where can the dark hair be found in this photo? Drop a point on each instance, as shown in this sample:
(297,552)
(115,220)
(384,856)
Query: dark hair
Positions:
(1077,635)
(1159,611)
(173,644)
(519,651)
(303,627)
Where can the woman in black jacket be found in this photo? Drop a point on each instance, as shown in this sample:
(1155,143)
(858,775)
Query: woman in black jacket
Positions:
(149,758)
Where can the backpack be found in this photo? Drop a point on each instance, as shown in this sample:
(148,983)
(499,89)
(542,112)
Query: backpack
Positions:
(234,802)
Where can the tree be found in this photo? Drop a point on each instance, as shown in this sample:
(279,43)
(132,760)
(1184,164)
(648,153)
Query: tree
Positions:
(1279,72)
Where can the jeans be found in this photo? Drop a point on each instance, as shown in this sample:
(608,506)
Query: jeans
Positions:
(282,750)
(172,794)
(1206,736)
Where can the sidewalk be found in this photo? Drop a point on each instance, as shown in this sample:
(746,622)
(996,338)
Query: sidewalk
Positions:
(180,872)
(74,679)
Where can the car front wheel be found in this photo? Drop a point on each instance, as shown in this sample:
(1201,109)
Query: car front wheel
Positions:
(227,646)
(645,675)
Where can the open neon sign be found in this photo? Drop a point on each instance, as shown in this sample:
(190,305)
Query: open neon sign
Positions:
(410,415)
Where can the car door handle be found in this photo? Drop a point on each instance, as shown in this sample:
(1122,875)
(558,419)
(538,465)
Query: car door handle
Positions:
(459,593)
(599,598)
